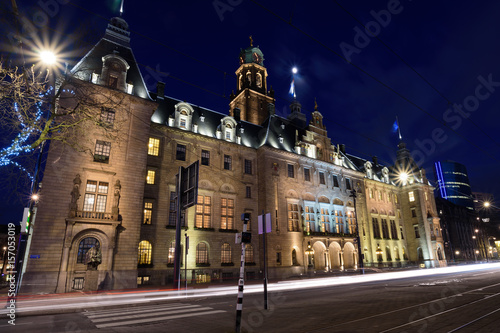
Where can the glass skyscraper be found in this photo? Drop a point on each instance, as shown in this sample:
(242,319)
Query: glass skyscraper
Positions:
(453,183)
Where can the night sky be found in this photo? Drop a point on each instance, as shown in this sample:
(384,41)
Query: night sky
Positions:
(434,65)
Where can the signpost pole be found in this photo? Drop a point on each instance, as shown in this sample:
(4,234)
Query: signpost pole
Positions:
(177,258)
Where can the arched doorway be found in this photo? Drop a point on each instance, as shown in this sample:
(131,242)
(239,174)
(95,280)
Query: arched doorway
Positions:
(319,255)
(336,260)
(350,256)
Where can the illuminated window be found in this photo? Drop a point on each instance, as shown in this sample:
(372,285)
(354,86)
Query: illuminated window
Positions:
(205,157)
(228,162)
(150,178)
(339,221)
(201,254)
(102,151)
(171,253)
(96,195)
(411,196)
(144,279)
(395,198)
(380,195)
(203,212)
(307,175)
(145,250)
(148,212)
(291,171)
(78,283)
(324,219)
(293,217)
(84,246)
(227,214)
(154,147)
(248,253)
(180,154)
(225,256)
(351,222)
(310,218)
(107,117)
(425,194)
(371,193)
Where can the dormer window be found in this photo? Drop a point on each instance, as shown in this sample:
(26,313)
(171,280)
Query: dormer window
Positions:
(114,72)
(227,129)
(228,132)
(113,82)
(183,116)
(182,123)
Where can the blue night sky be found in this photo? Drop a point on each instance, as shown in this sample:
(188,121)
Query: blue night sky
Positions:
(434,65)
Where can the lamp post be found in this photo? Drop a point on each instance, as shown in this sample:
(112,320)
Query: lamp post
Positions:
(358,239)
(47,58)
(309,253)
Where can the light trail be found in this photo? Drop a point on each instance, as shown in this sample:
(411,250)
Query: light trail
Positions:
(75,303)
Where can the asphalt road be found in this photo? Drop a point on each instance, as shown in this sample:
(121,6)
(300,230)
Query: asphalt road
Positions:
(455,302)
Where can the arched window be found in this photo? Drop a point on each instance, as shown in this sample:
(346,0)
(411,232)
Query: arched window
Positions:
(420,254)
(249,78)
(294,258)
(440,253)
(248,253)
(388,253)
(258,80)
(84,246)
(145,250)
(201,253)
(225,256)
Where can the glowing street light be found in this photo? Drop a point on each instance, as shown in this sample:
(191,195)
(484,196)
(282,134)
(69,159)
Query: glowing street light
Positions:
(486,204)
(295,70)
(48,57)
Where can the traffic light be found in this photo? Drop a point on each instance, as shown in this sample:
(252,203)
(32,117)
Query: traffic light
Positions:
(25,223)
(245,217)
(246,237)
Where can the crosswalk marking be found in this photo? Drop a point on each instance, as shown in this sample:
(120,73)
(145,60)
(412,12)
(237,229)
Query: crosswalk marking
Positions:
(136,311)
(147,314)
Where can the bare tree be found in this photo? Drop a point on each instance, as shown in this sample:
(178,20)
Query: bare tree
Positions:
(70,111)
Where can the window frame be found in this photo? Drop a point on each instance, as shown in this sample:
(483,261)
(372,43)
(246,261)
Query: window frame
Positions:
(248,167)
(205,157)
(228,162)
(154,147)
(180,152)
(102,151)
(291,171)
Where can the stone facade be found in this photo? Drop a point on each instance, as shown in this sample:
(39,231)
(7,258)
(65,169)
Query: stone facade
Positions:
(251,161)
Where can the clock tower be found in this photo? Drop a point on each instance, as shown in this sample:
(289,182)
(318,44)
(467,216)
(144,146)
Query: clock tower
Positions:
(252,97)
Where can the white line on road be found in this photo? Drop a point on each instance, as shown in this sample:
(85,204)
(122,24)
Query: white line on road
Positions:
(148,312)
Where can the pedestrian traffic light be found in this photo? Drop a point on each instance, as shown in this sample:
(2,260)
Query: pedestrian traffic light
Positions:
(25,223)
(246,237)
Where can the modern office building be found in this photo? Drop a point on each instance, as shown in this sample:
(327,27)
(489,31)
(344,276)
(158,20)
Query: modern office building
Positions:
(453,183)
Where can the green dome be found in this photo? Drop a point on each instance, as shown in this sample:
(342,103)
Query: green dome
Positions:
(252,54)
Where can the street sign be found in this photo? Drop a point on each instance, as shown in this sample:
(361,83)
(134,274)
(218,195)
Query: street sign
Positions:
(268,224)
(189,185)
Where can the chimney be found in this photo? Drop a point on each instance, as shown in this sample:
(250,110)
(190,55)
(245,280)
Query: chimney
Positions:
(160,89)
(342,148)
(375,160)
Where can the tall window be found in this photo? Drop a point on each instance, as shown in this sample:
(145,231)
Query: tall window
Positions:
(307,175)
(96,195)
(172,215)
(145,250)
(401,232)
(385,229)
(395,198)
(205,157)
(227,214)
(322,179)
(154,147)
(293,217)
(150,178)
(225,257)
(102,150)
(335,181)
(351,222)
(347,184)
(310,218)
(417,233)
(203,211)
(84,246)
(248,253)
(201,253)
(291,171)
(339,222)
(379,195)
(413,212)
(388,253)
(324,219)
(371,193)
(228,162)
(376,228)
(148,212)
(171,253)
(394,230)
(248,192)
(107,117)
(411,196)
(248,167)
(180,154)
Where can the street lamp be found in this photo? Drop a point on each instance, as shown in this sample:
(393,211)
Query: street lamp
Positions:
(48,57)
(358,239)
(295,70)
(309,253)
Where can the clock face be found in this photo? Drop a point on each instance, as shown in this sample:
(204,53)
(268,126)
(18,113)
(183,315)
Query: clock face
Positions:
(256,57)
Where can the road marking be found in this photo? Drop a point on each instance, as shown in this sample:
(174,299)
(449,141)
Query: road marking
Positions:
(133,309)
(150,320)
(148,314)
